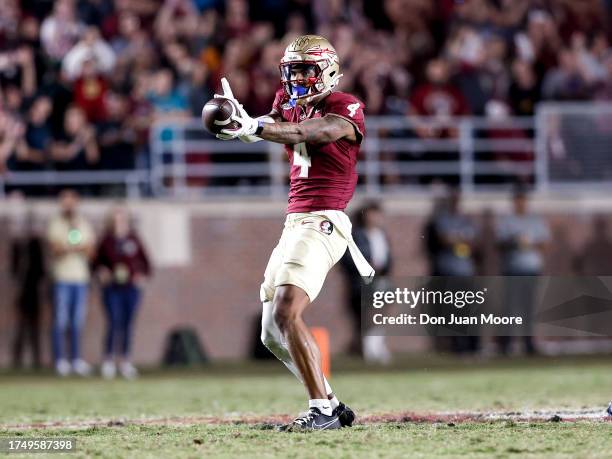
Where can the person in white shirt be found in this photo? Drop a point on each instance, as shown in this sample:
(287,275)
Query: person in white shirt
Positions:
(71,240)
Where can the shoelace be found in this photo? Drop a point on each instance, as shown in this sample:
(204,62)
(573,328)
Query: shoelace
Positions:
(304,418)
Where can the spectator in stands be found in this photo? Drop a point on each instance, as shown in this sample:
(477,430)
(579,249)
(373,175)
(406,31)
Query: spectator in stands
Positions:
(37,137)
(89,91)
(604,88)
(371,238)
(72,243)
(167,101)
(500,127)
(440,99)
(482,73)
(116,136)
(11,139)
(568,81)
(13,101)
(61,30)
(18,75)
(128,27)
(539,42)
(76,147)
(9,19)
(32,150)
(92,49)
(191,78)
(524,91)
(522,239)
(28,271)
(122,265)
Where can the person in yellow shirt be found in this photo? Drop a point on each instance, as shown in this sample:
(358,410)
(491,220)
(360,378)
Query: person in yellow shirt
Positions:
(72,241)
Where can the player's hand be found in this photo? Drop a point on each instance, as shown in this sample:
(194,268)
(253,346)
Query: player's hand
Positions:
(227,92)
(248,125)
(228,134)
(225,136)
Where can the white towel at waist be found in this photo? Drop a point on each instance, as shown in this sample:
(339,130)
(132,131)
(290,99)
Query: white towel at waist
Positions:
(344,227)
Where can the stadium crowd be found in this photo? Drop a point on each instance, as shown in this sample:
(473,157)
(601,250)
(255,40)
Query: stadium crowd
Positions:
(82,80)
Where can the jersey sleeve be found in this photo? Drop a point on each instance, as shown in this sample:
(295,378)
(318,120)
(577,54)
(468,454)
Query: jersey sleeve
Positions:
(278,101)
(349,108)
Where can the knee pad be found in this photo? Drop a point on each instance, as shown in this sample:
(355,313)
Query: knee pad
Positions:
(267,338)
(271,340)
(271,335)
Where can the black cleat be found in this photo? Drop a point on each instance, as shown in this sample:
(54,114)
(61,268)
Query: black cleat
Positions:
(313,419)
(609,410)
(346,416)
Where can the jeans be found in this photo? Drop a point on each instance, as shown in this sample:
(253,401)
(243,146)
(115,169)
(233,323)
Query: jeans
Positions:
(121,303)
(520,296)
(70,308)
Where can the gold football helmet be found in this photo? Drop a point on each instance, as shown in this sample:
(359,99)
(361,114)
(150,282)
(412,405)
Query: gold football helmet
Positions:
(309,68)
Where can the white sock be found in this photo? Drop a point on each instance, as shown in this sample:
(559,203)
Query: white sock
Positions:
(334,402)
(322,404)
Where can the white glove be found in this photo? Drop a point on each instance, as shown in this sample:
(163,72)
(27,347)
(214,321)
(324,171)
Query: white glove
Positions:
(227,92)
(248,125)
(242,118)
(224,137)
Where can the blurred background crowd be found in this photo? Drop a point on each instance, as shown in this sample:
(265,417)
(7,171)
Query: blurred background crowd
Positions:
(81,81)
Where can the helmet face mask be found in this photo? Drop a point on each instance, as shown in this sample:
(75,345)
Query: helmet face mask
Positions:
(309,68)
(300,78)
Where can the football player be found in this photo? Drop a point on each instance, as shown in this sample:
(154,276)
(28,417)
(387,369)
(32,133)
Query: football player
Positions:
(322,130)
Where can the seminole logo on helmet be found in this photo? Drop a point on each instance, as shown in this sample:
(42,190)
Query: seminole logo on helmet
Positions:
(310,67)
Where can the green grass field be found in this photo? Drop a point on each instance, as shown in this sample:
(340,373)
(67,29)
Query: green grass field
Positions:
(416,411)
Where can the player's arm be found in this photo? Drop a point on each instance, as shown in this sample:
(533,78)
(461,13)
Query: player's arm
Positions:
(275,116)
(316,131)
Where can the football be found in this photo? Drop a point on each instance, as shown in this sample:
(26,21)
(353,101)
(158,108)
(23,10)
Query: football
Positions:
(216,115)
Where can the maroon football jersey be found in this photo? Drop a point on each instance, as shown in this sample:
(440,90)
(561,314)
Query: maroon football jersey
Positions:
(323,177)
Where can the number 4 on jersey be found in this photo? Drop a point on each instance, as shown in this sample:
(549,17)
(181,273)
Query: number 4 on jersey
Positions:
(301,158)
(352,109)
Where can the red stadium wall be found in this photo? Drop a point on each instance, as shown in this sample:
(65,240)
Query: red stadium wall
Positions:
(218,292)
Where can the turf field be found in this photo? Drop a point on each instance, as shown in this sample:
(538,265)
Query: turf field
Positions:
(430,408)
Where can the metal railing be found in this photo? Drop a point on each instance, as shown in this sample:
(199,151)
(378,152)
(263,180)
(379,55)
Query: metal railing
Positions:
(45,182)
(562,146)
(398,154)
(574,146)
